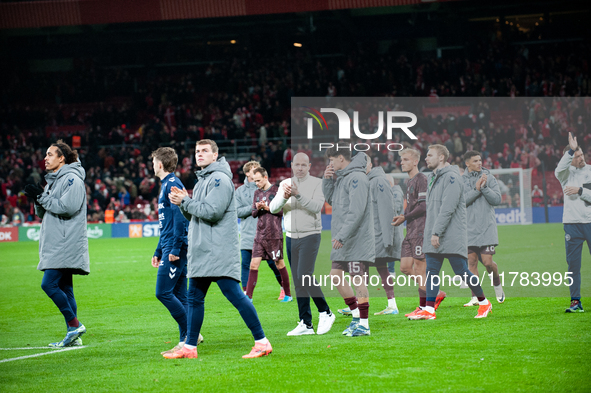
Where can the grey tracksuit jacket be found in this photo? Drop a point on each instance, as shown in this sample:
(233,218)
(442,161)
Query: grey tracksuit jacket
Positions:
(213,232)
(481,220)
(352,218)
(63,243)
(399,230)
(248,224)
(446,213)
(383,209)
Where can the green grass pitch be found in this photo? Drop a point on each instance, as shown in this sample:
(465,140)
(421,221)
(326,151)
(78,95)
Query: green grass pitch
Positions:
(528,343)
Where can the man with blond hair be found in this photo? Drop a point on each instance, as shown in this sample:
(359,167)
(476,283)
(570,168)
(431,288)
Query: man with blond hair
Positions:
(445,235)
(412,262)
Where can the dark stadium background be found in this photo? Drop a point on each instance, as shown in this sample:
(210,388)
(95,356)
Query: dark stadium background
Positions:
(122,78)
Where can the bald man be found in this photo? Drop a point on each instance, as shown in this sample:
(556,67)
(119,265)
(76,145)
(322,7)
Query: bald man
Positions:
(301,199)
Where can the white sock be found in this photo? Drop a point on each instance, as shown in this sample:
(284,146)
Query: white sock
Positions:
(364,322)
(262,341)
(181,343)
(190,346)
(355,313)
(392,303)
(484,302)
(429,309)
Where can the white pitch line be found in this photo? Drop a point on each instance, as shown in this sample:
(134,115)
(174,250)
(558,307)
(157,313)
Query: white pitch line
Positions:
(41,354)
(13,349)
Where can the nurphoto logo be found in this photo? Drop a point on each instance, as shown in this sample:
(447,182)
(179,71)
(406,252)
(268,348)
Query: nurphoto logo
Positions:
(344,121)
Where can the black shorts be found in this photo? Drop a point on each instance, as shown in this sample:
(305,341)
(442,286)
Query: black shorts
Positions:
(271,249)
(413,248)
(353,268)
(484,250)
(383,262)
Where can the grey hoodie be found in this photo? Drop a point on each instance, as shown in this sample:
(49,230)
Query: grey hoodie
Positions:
(482,223)
(398,210)
(446,213)
(63,243)
(213,233)
(352,218)
(248,224)
(383,209)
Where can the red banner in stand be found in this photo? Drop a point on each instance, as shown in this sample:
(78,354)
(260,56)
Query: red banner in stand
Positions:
(9,234)
(91,12)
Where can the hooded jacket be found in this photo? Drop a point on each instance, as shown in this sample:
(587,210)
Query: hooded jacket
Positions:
(352,218)
(248,224)
(213,233)
(383,209)
(481,220)
(63,243)
(398,210)
(446,213)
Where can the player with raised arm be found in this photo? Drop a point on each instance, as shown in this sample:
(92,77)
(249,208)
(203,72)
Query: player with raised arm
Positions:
(445,234)
(412,262)
(482,194)
(248,225)
(353,241)
(301,200)
(213,254)
(170,256)
(268,241)
(574,176)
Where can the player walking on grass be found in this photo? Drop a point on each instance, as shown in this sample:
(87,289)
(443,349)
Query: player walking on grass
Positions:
(353,241)
(213,248)
(387,246)
(301,200)
(63,244)
(268,241)
(482,194)
(170,256)
(574,176)
(248,225)
(413,258)
(445,231)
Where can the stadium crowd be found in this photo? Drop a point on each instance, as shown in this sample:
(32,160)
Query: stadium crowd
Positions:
(121,116)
